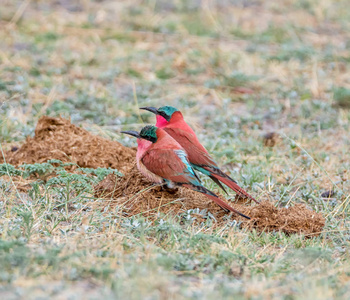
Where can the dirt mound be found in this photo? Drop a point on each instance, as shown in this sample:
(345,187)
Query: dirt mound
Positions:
(138,196)
(57,138)
(295,219)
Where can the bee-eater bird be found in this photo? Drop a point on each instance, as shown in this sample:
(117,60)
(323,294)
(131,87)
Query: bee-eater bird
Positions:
(171,120)
(162,160)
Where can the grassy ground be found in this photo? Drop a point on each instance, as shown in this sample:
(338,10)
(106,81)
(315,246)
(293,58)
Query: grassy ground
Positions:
(237,71)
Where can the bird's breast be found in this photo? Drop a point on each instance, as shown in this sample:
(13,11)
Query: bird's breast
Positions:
(148,174)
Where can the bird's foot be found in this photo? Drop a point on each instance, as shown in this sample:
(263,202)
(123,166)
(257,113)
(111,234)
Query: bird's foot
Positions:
(169,188)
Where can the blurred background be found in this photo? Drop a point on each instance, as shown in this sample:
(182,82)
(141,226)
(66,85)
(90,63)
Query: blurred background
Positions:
(96,61)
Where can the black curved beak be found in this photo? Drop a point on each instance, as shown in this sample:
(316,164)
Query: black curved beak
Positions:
(132,132)
(151,109)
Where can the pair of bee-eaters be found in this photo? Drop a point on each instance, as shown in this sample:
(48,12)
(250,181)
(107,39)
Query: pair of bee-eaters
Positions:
(169,152)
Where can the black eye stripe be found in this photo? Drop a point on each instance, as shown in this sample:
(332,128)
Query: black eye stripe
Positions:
(150,138)
(164,115)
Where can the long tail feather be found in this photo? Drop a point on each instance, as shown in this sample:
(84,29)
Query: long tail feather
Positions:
(215,198)
(218,183)
(231,184)
(217,175)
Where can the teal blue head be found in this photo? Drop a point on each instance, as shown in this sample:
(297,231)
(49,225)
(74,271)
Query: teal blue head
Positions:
(148,133)
(165,111)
